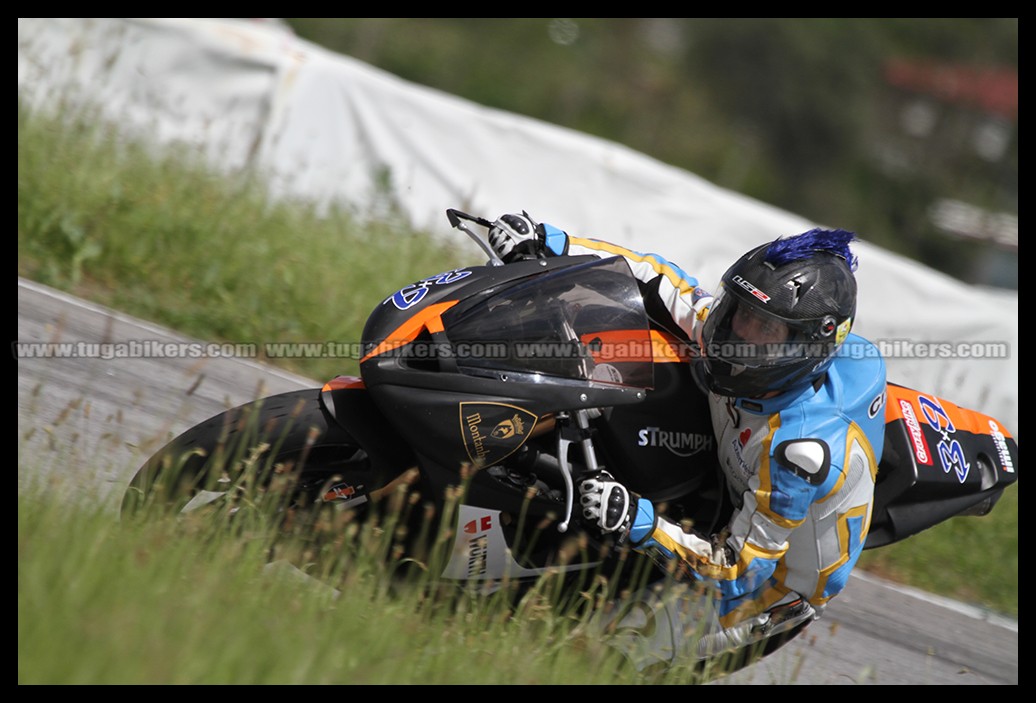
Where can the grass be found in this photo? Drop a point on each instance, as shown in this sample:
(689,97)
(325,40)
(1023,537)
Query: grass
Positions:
(161,237)
(971,559)
(159,602)
(212,598)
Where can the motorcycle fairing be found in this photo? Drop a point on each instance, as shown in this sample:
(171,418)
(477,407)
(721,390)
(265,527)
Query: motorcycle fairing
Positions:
(347,400)
(940,460)
(544,319)
(938,428)
(482,551)
(427,319)
(506,337)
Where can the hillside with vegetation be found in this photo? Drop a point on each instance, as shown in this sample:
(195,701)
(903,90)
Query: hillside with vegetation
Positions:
(903,130)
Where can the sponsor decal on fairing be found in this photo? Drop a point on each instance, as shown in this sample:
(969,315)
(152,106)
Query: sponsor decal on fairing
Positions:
(682,444)
(1000,440)
(921,451)
(493,431)
(411,295)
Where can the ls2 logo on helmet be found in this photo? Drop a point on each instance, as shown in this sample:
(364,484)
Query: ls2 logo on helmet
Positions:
(751,289)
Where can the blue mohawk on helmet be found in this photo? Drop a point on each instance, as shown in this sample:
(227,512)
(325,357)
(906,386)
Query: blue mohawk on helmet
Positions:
(802,246)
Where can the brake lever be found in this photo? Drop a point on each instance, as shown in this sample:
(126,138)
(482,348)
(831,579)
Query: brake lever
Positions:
(567,435)
(456,218)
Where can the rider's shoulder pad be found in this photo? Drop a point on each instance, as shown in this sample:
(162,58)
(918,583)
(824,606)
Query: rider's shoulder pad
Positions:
(809,459)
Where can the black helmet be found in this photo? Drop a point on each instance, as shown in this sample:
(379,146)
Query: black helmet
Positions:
(780,315)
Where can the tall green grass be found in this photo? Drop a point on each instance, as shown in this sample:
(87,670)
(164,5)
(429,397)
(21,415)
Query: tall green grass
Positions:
(160,236)
(241,592)
(191,601)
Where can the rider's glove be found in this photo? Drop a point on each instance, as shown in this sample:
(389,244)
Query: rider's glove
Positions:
(513,236)
(611,509)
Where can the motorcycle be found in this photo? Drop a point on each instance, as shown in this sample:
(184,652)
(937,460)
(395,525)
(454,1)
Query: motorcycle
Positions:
(512,381)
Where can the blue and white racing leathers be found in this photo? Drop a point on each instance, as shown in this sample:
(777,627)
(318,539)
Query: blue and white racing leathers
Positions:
(800,469)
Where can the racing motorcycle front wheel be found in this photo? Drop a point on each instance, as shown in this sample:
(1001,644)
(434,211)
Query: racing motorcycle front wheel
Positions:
(285,451)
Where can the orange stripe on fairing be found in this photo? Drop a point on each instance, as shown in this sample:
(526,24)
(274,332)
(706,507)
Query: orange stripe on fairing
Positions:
(963,419)
(339,382)
(429,318)
(668,348)
(633,345)
(893,410)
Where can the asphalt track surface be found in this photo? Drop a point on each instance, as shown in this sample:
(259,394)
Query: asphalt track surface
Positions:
(91,421)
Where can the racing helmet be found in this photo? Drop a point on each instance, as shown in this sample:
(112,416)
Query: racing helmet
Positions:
(780,316)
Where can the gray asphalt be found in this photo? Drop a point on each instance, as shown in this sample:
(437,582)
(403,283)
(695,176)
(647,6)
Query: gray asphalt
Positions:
(85,423)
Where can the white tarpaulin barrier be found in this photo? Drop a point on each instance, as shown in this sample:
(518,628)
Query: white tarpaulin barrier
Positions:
(332,129)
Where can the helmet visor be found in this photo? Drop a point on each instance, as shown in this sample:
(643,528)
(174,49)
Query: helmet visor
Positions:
(747,335)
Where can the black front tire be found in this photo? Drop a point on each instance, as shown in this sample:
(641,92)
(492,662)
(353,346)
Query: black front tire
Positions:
(287,443)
